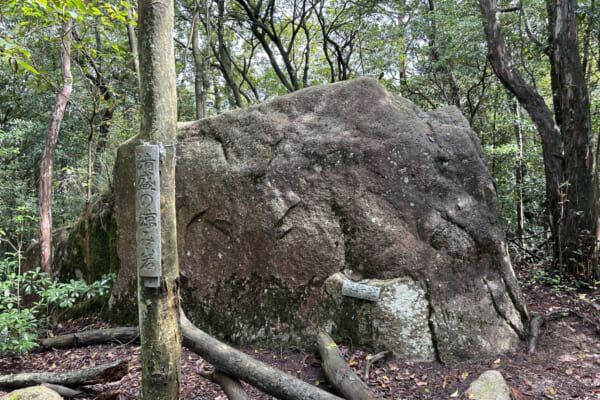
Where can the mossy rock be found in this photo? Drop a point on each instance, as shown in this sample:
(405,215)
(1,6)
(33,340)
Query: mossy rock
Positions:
(33,393)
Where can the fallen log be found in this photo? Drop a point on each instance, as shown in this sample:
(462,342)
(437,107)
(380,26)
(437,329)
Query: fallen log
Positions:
(230,385)
(339,374)
(86,338)
(235,363)
(89,376)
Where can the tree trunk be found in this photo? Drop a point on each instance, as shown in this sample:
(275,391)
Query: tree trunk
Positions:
(47,167)
(520,233)
(159,306)
(223,56)
(235,363)
(133,47)
(579,226)
(339,374)
(568,161)
(200,64)
(88,376)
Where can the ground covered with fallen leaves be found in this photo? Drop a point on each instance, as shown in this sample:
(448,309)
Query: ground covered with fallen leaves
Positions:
(565,365)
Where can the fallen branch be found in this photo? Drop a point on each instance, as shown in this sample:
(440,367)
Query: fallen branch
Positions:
(86,338)
(372,359)
(100,374)
(230,385)
(339,374)
(235,363)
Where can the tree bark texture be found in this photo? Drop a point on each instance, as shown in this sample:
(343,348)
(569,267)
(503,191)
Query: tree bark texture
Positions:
(235,363)
(200,62)
(159,307)
(519,168)
(89,376)
(47,167)
(579,226)
(135,63)
(223,56)
(339,374)
(568,162)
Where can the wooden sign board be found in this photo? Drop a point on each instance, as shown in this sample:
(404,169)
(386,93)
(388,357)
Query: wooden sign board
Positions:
(147,212)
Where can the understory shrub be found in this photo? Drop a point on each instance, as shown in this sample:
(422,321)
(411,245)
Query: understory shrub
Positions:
(28,299)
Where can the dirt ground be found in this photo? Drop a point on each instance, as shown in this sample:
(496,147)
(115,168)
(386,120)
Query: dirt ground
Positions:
(565,365)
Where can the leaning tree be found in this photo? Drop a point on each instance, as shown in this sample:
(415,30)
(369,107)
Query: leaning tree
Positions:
(565,132)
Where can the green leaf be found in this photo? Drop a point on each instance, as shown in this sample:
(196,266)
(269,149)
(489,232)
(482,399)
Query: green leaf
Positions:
(80,5)
(27,66)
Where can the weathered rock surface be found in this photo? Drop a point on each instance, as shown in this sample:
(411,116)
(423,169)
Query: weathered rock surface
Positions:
(278,203)
(489,386)
(33,393)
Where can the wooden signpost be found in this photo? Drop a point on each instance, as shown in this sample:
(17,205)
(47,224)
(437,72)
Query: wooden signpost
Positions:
(156,231)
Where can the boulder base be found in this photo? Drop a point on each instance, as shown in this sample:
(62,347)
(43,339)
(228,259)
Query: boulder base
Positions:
(279,203)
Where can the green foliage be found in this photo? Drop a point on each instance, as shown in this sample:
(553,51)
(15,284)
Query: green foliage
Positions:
(502,162)
(20,325)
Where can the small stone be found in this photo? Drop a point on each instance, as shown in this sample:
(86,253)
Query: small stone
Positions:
(489,386)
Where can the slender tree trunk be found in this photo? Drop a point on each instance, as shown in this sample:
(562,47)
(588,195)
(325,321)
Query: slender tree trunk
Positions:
(133,47)
(519,176)
(200,65)
(159,307)
(88,198)
(224,57)
(47,167)
(454,96)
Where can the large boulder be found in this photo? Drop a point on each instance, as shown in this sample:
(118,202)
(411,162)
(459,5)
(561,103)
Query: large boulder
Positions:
(279,203)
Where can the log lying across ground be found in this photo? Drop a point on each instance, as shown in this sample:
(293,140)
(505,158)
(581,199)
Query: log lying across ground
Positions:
(230,385)
(235,363)
(339,373)
(229,362)
(95,336)
(89,376)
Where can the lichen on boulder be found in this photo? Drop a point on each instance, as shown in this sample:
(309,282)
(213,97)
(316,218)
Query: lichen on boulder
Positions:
(33,393)
(279,202)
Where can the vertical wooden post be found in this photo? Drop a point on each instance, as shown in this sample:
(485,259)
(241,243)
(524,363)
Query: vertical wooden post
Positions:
(158,291)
